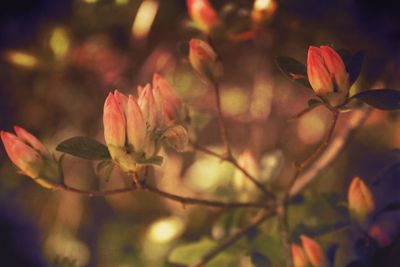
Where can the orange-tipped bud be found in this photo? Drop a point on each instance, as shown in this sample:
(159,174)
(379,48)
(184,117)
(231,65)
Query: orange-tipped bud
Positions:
(299,257)
(361,201)
(327,74)
(31,157)
(313,251)
(205,61)
(114,122)
(148,106)
(203,15)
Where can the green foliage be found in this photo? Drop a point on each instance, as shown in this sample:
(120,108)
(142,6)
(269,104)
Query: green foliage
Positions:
(85,148)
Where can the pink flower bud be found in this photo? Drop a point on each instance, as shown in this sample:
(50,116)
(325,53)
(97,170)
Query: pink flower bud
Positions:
(114,121)
(361,201)
(203,14)
(32,141)
(299,257)
(27,159)
(136,126)
(327,74)
(205,61)
(313,251)
(148,106)
(169,104)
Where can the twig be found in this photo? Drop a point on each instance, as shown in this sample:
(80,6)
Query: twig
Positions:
(146,187)
(257,220)
(221,122)
(281,212)
(336,145)
(234,162)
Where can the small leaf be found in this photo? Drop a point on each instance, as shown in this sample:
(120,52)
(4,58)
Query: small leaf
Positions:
(293,69)
(259,260)
(353,63)
(386,99)
(156,160)
(85,148)
(104,169)
(177,137)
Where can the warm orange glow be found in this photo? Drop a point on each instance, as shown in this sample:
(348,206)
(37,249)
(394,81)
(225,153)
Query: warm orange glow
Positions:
(144,19)
(59,42)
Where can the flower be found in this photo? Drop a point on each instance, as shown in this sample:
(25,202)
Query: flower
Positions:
(31,156)
(327,74)
(360,199)
(203,15)
(134,129)
(205,61)
(299,257)
(313,251)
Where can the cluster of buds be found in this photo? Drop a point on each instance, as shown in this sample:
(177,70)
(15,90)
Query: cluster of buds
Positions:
(309,253)
(327,75)
(360,200)
(205,61)
(31,157)
(135,129)
(203,15)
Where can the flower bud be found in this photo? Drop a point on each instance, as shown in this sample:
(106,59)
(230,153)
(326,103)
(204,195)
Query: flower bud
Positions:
(327,74)
(136,125)
(114,122)
(313,251)
(203,14)
(31,157)
(148,106)
(360,198)
(246,188)
(299,257)
(205,61)
(169,104)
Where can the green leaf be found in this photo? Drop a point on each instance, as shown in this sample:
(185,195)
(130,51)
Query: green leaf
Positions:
(104,169)
(386,99)
(353,63)
(85,148)
(188,254)
(293,69)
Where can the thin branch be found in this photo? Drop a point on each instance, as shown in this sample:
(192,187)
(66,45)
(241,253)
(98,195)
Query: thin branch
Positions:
(221,122)
(282,215)
(257,220)
(154,190)
(234,162)
(355,121)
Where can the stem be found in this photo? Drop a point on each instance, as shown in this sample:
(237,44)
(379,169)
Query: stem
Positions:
(221,122)
(257,220)
(183,200)
(284,232)
(234,162)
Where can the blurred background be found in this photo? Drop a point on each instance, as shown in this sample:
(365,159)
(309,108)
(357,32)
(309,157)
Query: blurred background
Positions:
(58,61)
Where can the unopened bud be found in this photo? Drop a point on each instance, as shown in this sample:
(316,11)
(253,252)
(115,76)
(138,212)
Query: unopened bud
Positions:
(205,61)
(299,257)
(203,15)
(360,198)
(327,74)
(313,251)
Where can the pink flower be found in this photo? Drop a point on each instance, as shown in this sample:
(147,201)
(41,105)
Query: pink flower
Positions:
(114,120)
(203,14)
(327,74)
(313,251)
(360,199)
(205,61)
(31,157)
